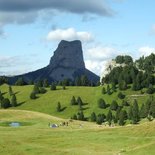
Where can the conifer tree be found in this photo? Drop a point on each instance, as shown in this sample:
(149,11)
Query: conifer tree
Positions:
(58,107)
(152,109)
(135,112)
(79,101)
(73,101)
(113,87)
(45,83)
(100,119)
(80,116)
(114,105)
(101,103)
(122,117)
(33,95)
(42,90)
(14,100)
(109,117)
(10,91)
(108,90)
(36,89)
(1,96)
(53,86)
(5,103)
(93,117)
(103,91)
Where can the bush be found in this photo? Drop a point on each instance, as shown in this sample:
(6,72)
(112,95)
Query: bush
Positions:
(121,95)
(42,90)
(100,119)
(33,96)
(53,86)
(5,103)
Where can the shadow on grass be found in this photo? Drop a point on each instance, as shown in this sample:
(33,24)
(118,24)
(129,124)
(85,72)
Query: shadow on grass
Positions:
(85,108)
(4,93)
(62,109)
(21,103)
(16,92)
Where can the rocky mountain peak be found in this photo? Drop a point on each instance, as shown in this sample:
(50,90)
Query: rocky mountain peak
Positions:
(68,54)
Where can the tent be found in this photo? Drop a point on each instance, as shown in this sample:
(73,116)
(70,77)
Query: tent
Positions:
(53,126)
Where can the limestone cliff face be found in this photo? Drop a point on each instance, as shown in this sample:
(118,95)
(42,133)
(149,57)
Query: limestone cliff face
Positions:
(68,54)
(66,63)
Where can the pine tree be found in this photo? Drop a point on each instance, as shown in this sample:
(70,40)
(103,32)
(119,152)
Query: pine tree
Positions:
(108,90)
(101,103)
(73,101)
(122,85)
(130,113)
(84,80)
(78,81)
(53,86)
(80,116)
(42,90)
(142,111)
(40,83)
(14,100)
(33,95)
(100,119)
(114,105)
(122,116)
(20,82)
(5,103)
(103,91)
(150,89)
(10,91)
(93,117)
(109,117)
(58,107)
(63,87)
(113,87)
(79,101)
(121,95)
(152,109)
(45,83)
(1,96)
(74,117)
(36,89)
(117,114)
(135,111)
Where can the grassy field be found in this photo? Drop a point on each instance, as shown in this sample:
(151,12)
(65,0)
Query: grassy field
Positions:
(47,103)
(75,139)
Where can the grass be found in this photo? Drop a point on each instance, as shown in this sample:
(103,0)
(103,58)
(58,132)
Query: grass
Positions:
(47,103)
(39,139)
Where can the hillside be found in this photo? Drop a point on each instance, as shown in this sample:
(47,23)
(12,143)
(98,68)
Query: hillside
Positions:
(47,103)
(38,138)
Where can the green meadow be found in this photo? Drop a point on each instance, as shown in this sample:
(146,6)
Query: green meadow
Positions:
(89,138)
(35,137)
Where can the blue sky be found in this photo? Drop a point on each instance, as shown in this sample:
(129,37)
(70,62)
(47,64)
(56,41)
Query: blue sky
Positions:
(31,30)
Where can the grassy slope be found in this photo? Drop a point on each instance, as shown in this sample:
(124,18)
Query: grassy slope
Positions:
(47,103)
(39,139)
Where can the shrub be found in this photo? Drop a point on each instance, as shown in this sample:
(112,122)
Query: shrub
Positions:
(121,95)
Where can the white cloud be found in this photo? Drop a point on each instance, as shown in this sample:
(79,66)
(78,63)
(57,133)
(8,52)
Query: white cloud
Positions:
(96,58)
(97,67)
(69,34)
(146,50)
(101,53)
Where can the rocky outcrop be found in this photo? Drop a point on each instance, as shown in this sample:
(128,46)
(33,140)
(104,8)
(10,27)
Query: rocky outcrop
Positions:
(66,63)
